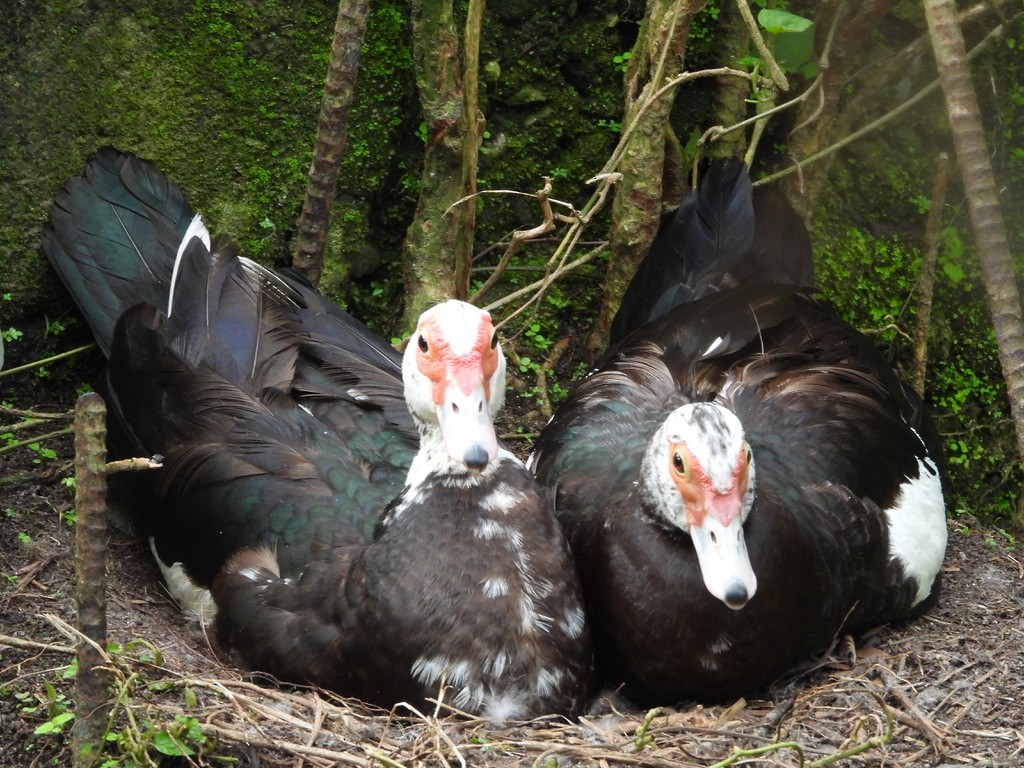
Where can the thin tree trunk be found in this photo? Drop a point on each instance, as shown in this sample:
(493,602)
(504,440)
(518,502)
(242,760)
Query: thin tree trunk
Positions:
(437,231)
(472,130)
(926,282)
(636,210)
(983,205)
(731,93)
(339,87)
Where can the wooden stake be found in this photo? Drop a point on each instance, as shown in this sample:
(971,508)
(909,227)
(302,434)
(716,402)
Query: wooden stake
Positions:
(92,701)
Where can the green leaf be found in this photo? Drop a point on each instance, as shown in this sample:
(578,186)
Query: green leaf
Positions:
(55,724)
(776,22)
(953,271)
(165,744)
(193,729)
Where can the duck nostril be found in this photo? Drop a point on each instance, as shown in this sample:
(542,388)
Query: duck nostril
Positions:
(455,407)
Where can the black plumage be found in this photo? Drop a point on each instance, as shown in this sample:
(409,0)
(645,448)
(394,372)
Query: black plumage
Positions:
(744,477)
(351,511)
(727,235)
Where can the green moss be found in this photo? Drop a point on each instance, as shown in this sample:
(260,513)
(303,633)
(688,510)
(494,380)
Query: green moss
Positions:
(873,280)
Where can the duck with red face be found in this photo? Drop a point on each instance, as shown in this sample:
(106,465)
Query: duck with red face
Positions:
(346,517)
(743,477)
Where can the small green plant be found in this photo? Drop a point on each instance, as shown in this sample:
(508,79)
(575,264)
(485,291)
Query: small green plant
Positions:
(643,737)
(535,338)
(923,203)
(58,709)
(792,40)
(1000,536)
(55,724)
(26,703)
(11,334)
(622,60)
(55,327)
(42,453)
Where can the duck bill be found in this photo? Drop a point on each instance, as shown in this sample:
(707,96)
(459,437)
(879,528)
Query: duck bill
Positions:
(724,562)
(466,427)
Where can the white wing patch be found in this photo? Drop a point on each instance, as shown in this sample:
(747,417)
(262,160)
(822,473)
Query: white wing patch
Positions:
(917,528)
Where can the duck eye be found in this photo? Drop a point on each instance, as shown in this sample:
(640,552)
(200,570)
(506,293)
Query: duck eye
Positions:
(678,463)
(424,347)
(494,340)
(749,454)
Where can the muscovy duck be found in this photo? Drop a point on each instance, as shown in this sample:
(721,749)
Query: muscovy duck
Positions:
(351,511)
(743,478)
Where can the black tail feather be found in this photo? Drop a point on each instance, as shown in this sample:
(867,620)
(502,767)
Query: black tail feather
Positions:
(113,236)
(782,248)
(722,235)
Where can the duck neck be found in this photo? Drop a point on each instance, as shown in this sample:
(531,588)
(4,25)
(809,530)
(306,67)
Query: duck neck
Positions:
(432,460)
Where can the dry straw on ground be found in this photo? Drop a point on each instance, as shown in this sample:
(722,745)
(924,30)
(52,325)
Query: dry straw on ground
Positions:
(943,690)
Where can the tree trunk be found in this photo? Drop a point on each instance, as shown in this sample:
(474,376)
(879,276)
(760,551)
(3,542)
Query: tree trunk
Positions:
(438,243)
(473,125)
(983,204)
(339,87)
(926,282)
(636,210)
(731,93)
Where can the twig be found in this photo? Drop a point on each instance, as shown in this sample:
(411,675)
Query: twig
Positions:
(127,465)
(32,645)
(766,55)
(874,125)
(38,439)
(35,415)
(518,238)
(923,724)
(542,284)
(432,724)
(245,737)
(45,361)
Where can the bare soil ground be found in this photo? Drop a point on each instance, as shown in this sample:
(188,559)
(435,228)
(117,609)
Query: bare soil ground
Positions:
(945,690)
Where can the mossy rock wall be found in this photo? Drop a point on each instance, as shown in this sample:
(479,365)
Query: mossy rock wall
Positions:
(224,95)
